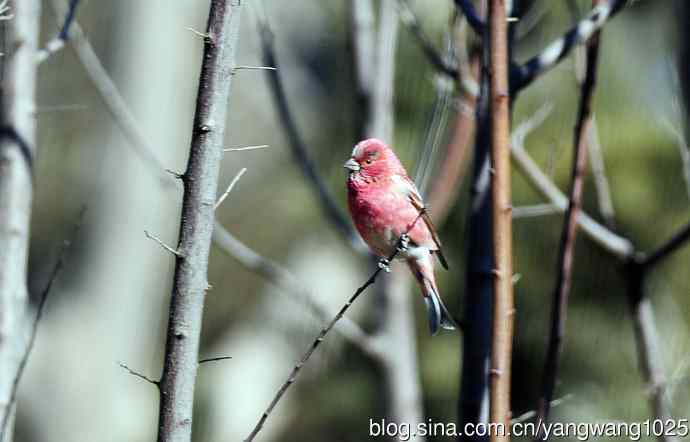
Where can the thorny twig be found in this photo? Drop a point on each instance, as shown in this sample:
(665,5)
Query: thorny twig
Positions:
(400,244)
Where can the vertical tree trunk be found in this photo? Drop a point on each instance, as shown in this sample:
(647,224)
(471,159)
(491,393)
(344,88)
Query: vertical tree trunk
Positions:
(200,188)
(502,339)
(17,152)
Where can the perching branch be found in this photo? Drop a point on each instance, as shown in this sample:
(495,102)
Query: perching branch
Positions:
(17,152)
(58,42)
(503,306)
(566,251)
(200,182)
(400,245)
(297,145)
(525,74)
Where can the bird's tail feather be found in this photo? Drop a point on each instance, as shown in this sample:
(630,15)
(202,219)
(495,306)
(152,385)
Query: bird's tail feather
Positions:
(437,313)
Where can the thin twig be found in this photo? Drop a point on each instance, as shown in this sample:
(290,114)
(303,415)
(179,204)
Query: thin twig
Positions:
(559,49)
(58,42)
(438,61)
(139,375)
(503,304)
(162,244)
(218,358)
(532,413)
(322,335)
(240,149)
(683,151)
(566,252)
(57,269)
(673,244)
(297,145)
(230,187)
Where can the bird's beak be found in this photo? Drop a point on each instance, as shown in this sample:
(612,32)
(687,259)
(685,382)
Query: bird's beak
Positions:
(352,165)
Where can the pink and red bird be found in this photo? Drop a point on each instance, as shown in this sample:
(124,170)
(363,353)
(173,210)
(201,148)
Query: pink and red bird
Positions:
(385,204)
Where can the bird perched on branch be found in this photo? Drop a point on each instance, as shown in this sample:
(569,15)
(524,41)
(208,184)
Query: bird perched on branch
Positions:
(385,206)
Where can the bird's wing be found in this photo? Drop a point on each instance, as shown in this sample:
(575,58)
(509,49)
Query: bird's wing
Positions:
(416,200)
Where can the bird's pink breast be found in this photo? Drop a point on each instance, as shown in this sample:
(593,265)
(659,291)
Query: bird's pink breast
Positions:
(382,213)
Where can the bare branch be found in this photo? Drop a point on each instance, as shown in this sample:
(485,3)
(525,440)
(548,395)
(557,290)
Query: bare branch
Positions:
(111,96)
(200,188)
(673,244)
(216,359)
(57,269)
(535,211)
(601,182)
(297,145)
(566,252)
(286,281)
(434,56)
(618,246)
(556,51)
(240,149)
(229,189)
(254,68)
(322,335)
(162,244)
(58,42)
(469,12)
(17,152)
(503,304)
(139,375)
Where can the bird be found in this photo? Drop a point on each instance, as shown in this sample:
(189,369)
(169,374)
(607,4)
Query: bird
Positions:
(386,207)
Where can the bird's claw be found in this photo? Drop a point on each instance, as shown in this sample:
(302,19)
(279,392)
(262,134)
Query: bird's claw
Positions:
(404,243)
(384,265)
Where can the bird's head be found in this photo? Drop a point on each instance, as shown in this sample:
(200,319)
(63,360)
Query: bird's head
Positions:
(371,158)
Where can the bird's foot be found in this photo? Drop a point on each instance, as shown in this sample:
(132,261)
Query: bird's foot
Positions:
(384,265)
(404,243)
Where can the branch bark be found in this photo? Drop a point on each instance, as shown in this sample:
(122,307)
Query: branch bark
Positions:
(17,152)
(200,182)
(504,310)
(566,252)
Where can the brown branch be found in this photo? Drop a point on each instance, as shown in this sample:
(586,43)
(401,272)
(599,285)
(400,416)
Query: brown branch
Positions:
(17,151)
(400,244)
(298,147)
(200,187)
(503,306)
(569,233)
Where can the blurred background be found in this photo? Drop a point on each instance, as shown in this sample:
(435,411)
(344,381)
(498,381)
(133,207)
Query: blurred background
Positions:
(110,303)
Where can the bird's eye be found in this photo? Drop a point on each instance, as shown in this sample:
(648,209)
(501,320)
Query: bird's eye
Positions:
(368,161)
